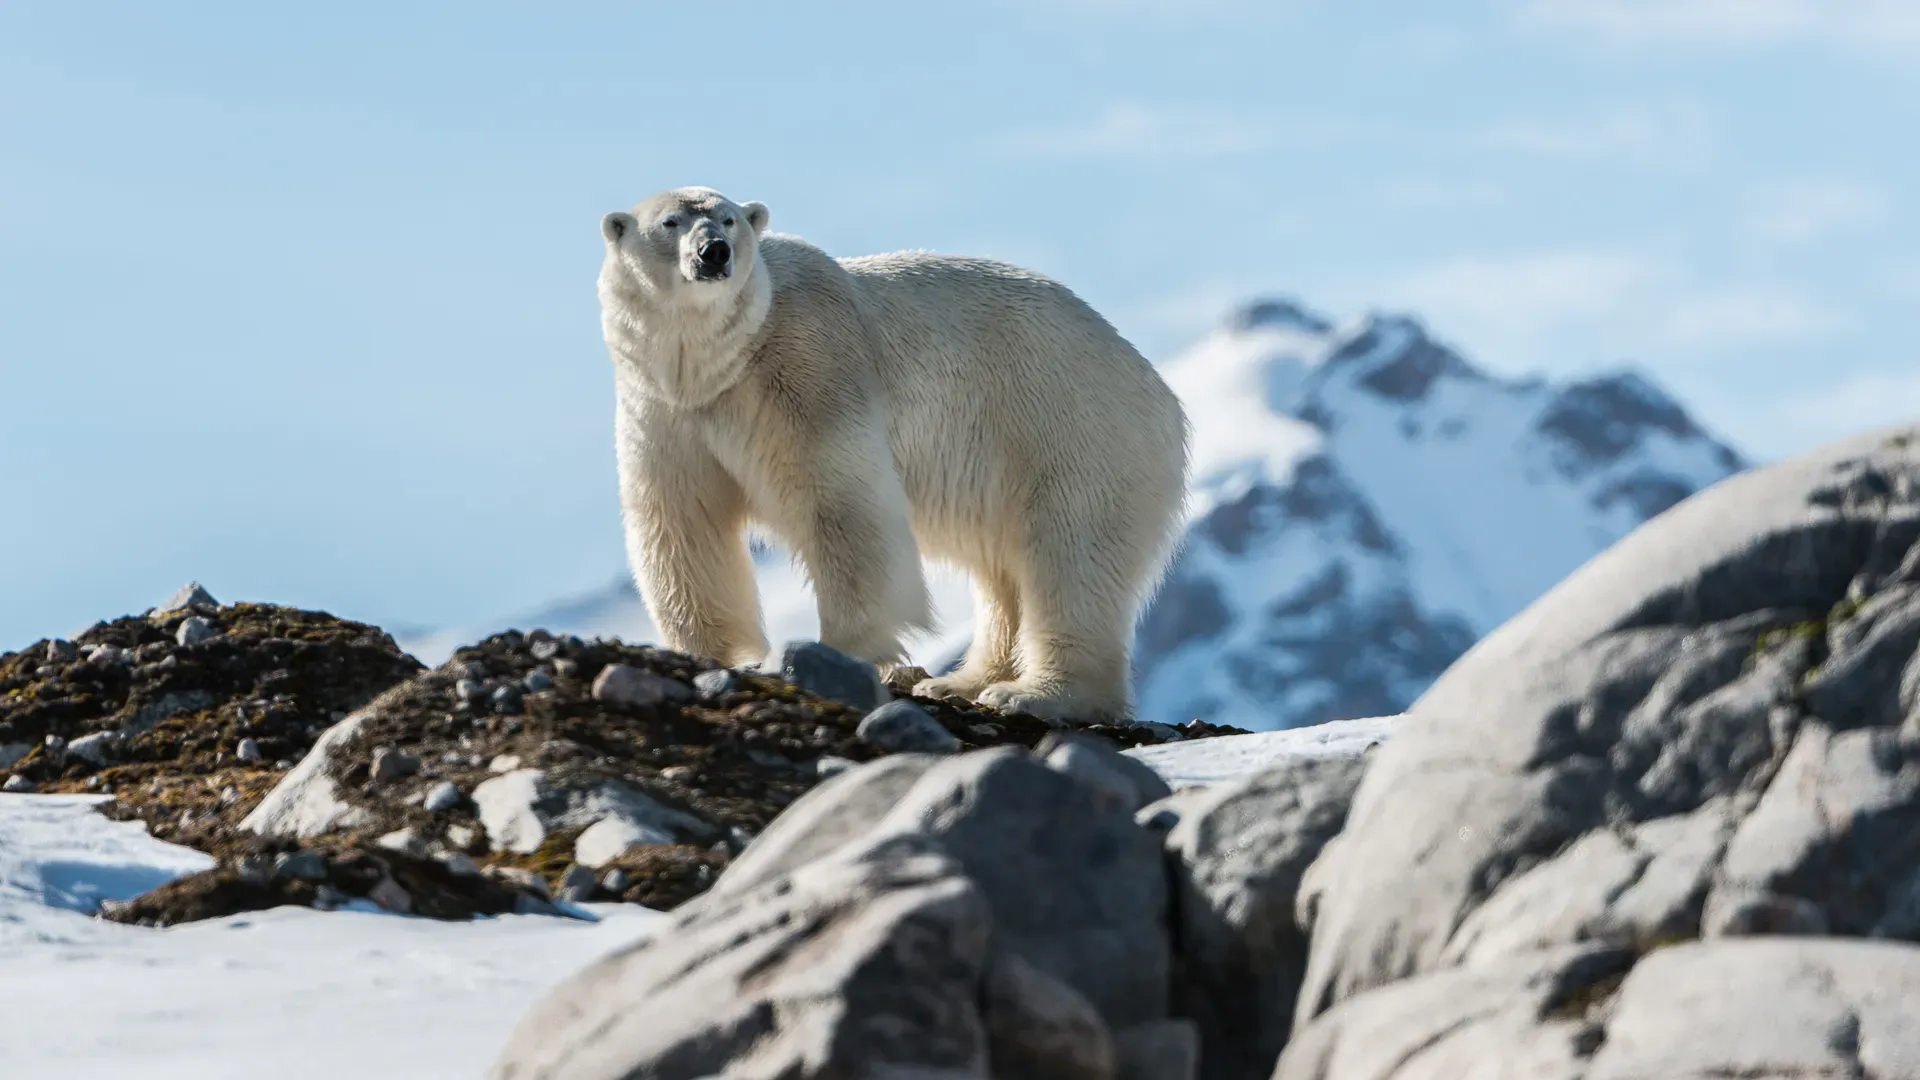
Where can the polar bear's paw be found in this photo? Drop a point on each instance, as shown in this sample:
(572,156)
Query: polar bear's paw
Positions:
(957,686)
(1046,703)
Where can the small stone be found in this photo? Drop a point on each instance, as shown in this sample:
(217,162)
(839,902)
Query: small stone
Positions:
(985,731)
(194,630)
(18,785)
(283,764)
(827,672)
(902,727)
(545,650)
(832,766)
(615,881)
(506,700)
(96,749)
(104,654)
(389,895)
(248,750)
(255,869)
(678,774)
(611,837)
(460,864)
(56,748)
(61,651)
(190,595)
(504,763)
(566,668)
(301,866)
(12,754)
(523,879)
(537,681)
(460,836)
(442,797)
(713,684)
(391,764)
(329,898)
(577,885)
(739,837)
(469,690)
(621,684)
(405,841)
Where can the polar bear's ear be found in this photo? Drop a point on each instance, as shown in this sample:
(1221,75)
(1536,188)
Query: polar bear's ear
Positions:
(757,215)
(616,225)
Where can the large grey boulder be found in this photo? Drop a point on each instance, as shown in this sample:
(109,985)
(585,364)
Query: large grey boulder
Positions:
(1712,728)
(864,966)
(1756,1007)
(1076,888)
(1239,851)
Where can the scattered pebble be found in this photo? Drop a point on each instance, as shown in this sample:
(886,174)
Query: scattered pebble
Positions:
(12,754)
(190,595)
(504,763)
(712,684)
(469,690)
(194,630)
(679,774)
(902,727)
(96,748)
(622,684)
(104,654)
(390,764)
(537,681)
(19,785)
(460,836)
(615,881)
(405,841)
(829,673)
(460,864)
(301,866)
(832,766)
(389,895)
(545,650)
(248,750)
(985,731)
(506,701)
(566,668)
(442,797)
(577,885)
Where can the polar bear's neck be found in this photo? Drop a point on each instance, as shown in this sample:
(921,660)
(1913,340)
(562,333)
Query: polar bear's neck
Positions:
(686,354)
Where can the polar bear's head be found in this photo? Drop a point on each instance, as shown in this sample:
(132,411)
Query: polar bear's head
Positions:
(690,245)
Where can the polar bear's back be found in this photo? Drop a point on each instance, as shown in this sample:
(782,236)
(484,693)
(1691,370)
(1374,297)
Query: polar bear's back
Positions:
(1007,371)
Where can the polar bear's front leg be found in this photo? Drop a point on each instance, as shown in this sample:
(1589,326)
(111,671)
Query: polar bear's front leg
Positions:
(852,532)
(685,521)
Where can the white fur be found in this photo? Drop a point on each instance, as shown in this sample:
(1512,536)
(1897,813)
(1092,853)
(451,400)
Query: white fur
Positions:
(872,410)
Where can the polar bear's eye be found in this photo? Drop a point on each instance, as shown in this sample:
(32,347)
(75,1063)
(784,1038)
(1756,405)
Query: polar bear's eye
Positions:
(729,223)
(670,223)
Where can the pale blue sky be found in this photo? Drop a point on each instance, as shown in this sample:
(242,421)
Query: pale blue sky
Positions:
(298,299)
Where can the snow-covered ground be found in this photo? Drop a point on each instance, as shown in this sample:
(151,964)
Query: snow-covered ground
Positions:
(294,993)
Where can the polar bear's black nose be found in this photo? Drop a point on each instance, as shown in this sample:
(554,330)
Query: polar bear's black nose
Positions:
(715,252)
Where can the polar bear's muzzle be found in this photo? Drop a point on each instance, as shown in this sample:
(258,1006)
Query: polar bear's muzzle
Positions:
(712,259)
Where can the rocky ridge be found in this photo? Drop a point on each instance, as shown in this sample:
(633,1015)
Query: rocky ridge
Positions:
(1663,823)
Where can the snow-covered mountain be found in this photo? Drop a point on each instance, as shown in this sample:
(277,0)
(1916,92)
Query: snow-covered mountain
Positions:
(1366,503)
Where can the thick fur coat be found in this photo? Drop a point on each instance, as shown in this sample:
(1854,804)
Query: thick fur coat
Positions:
(870,411)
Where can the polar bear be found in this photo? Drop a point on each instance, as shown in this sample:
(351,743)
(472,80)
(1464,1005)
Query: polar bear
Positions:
(870,411)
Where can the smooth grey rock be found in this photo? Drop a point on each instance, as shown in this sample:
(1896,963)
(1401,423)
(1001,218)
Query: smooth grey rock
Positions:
(1811,1007)
(905,728)
(611,837)
(1160,1050)
(442,797)
(99,749)
(713,684)
(1238,854)
(537,681)
(1039,1028)
(518,808)
(19,785)
(577,885)
(255,870)
(1076,888)
(506,700)
(1662,692)
(521,878)
(859,967)
(247,750)
(829,673)
(194,630)
(306,802)
(390,764)
(615,881)
(405,841)
(61,651)
(470,691)
(1504,1020)
(620,684)
(1100,765)
(301,866)
(836,812)
(12,754)
(460,864)
(190,595)
(390,895)
(829,766)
